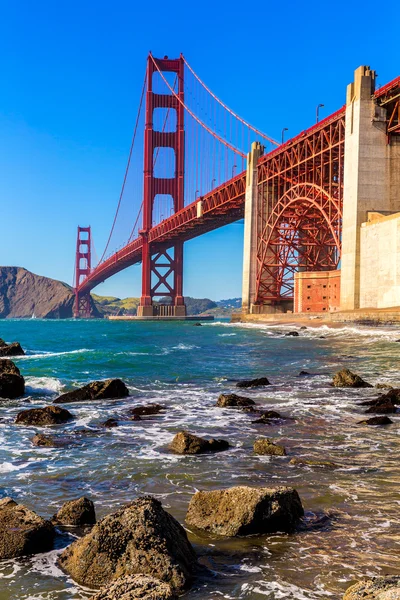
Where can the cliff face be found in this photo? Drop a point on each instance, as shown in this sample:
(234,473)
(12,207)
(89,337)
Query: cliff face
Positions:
(23,294)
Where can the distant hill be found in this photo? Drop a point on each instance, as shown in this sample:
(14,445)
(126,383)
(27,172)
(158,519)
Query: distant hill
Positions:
(24,294)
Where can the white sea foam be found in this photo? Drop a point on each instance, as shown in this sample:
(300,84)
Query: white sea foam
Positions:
(39,354)
(7,467)
(43,385)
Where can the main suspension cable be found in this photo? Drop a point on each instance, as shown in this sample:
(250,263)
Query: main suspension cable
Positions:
(127,168)
(257,131)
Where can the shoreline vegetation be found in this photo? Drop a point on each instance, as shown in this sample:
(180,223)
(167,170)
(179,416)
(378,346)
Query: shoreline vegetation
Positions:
(141,551)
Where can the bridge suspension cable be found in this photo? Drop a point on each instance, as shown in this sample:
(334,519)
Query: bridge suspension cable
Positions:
(127,168)
(257,131)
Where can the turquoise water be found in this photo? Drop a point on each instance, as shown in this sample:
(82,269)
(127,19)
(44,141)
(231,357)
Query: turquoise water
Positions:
(351,527)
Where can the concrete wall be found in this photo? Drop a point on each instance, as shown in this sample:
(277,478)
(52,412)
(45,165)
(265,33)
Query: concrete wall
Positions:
(380,262)
(316,291)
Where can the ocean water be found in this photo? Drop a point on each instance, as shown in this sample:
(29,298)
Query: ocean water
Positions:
(352,524)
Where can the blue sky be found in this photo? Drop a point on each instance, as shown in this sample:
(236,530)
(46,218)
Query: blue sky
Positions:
(71,76)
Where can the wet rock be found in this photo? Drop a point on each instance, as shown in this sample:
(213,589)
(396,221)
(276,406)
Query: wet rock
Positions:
(322,337)
(110,423)
(326,464)
(383,386)
(22,531)
(248,383)
(376,421)
(136,418)
(392,396)
(345,378)
(49,415)
(76,513)
(232,400)
(382,408)
(267,447)
(303,327)
(12,384)
(292,334)
(303,373)
(146,409)
(197,325)
(96,390)
(136,587)
(42,440)
(13,349)
(187,443)
(245,510)
(378,588)
(141,538)
(267,416)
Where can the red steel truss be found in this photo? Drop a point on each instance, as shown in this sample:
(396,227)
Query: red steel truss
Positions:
(299,212)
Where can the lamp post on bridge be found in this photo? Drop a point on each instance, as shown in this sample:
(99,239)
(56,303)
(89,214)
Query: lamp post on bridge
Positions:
(317,111)
(283,133)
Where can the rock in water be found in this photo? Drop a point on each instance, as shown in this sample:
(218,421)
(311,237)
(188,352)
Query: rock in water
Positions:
(96,390)
(266,446)
(76,513)
(345,378)
(141,538)
(325,464)
(13,349)
(42,440)
(136,587)
(146,409)
(379,588)
(376,421)
(292,334)
(22,532)
(232,400)
(187,443)
(245,510)
(253,382)
(49,415)
(12,384)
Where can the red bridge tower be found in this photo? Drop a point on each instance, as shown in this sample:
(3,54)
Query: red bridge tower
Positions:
(83,265)
(162,272)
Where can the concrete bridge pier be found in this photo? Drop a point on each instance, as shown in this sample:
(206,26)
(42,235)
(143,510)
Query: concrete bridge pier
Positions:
(371,176)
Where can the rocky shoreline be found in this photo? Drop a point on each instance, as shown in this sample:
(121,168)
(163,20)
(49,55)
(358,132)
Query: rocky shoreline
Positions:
(126,553)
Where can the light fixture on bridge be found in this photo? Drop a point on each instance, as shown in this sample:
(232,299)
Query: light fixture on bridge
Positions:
(283,133)
(317,111)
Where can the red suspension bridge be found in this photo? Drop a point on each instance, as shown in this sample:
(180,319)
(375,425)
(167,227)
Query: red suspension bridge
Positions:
(186,175)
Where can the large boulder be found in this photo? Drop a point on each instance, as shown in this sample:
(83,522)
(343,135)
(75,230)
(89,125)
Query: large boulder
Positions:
(96,390)
(12,384)
(13,349)
(49,415)
(245,510)
(141,538)
(248,383)
(233,401)
(379,588)
(76,513)
(22,532)
(345,378)
(266,446)
(136,587)
(187,443)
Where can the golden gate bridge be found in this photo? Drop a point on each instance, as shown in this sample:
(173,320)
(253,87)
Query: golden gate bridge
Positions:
(188,173)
